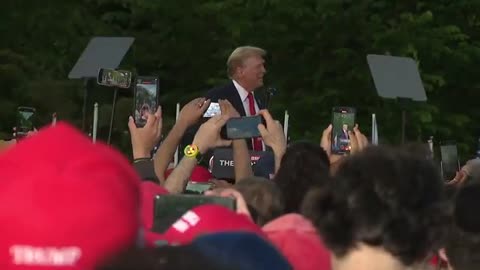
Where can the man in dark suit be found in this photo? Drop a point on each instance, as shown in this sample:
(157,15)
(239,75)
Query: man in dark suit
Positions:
(342,138)
(343,134)
(246,70)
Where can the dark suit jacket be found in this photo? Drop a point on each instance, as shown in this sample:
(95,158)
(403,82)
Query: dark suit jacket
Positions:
(342,135)
(230,93)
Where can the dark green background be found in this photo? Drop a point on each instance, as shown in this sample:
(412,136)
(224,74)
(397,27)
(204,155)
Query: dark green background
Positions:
(317,53)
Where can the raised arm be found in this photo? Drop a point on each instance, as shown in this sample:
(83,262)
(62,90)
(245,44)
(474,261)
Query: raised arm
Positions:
(189,115)
(143,140)
(241,155)
(207,137)
(274,137)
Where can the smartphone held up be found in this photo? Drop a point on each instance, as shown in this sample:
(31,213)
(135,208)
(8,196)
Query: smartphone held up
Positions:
(244,127)
(145,91)
(343,121)
(145,98)
(25,121)
(114,78)
(450,163)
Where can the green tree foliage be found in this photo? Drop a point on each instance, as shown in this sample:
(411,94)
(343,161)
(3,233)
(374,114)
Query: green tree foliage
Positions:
(317,58)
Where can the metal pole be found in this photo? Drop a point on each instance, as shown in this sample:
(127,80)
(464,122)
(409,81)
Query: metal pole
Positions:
(404,124)
(175,157)
(85,99)
(285,124)
(95,123)
(112,116)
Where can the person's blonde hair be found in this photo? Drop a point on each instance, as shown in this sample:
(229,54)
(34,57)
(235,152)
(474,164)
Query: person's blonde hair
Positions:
(240,54)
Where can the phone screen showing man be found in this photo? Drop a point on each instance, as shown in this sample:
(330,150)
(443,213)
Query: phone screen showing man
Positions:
(343,120)
(146,99)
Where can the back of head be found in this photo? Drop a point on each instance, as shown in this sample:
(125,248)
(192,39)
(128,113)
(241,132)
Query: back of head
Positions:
(263,196)
(303,166)
(384,198)
(463,241)
(163,258)
(66,203)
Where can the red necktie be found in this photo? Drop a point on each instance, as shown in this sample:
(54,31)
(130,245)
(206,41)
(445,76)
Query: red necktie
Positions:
(256,142)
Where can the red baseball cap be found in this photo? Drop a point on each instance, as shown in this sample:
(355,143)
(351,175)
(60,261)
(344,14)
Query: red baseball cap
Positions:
(200,174)
(205,219)
(66,203)
(149,191)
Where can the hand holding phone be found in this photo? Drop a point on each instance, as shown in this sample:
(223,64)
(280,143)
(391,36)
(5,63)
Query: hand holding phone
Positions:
(343,122)
(208,135)
(145,140)
(193,111)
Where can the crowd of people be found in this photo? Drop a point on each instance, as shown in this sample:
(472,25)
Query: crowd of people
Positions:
(68,203)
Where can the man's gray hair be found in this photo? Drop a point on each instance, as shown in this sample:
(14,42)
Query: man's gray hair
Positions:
(239,55)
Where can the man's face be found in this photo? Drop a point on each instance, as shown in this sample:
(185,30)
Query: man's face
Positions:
(252,72)
(345,127)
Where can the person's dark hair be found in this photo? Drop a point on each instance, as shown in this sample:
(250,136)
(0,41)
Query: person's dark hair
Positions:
(303,166)
(167,257)
(463,242)
(263,196)
(382,197)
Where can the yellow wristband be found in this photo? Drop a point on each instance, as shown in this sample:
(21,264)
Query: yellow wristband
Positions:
(191,151)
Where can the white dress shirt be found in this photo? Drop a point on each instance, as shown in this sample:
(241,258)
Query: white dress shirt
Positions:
(244,97)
